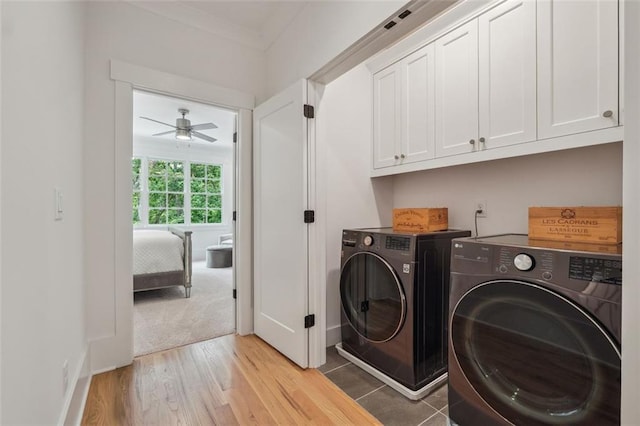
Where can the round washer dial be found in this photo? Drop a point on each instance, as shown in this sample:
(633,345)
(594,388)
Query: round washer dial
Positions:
(523,262)
(367,240)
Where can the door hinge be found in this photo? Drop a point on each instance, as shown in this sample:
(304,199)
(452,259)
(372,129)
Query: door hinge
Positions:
(309,321)
(235,137)
(233,217)
(309,111)
(309,216)
(235,294)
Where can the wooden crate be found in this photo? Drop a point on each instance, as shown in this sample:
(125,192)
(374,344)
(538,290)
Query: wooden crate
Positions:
(421,219)
(602,225)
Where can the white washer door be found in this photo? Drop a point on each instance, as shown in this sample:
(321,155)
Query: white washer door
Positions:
(372,296)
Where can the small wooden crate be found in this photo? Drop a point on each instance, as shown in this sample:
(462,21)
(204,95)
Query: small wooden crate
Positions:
(421,219)
(602,225)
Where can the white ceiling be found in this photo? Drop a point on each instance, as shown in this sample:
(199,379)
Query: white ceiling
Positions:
(165,109)
(254,23)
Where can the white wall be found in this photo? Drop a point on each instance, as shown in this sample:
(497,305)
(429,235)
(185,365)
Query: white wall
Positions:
(117,30)
(352,199)
(321,31)
(43,292)
(631,227)
(577,177)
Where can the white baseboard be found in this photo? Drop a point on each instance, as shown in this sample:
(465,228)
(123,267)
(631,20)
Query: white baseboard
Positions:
(334,335)
(77,392)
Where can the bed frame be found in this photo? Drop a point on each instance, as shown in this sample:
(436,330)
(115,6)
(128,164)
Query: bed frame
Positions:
(158,280)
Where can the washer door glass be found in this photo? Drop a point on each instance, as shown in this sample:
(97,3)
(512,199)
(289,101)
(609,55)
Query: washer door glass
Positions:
(372,297)
(536,357)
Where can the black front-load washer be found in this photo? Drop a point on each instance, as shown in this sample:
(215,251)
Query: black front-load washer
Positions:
(534,332)
(394,289)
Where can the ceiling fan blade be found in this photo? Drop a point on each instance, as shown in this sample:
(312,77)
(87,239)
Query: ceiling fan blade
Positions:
(164,133)
(204,126)
(205,137)
(156,121)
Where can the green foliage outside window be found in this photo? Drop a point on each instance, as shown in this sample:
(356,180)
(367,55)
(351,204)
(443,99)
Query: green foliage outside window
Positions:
(135,174)
(206,193)
(166,192)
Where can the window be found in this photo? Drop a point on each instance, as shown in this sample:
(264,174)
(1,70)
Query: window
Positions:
(206,193)
(169,192)
(136,164)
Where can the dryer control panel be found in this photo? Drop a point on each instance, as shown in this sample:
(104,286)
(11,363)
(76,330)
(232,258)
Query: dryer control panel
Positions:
(512,257)
(593,269)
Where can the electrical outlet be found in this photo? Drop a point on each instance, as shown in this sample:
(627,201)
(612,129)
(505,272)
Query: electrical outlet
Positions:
(481,205)
(65,376)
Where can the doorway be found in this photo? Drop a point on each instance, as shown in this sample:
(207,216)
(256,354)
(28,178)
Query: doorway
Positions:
(183,177)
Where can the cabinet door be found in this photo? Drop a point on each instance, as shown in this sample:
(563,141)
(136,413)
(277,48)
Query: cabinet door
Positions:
(507,59)
(418,106)
(386,116)
(577,66)
(457,90)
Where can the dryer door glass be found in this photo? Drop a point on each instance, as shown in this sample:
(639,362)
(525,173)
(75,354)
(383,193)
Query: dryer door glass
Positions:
(535,357)
(372,297)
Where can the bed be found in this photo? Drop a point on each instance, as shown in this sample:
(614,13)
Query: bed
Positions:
(162,258)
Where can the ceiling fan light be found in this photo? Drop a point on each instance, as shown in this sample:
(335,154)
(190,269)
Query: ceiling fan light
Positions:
(183,134)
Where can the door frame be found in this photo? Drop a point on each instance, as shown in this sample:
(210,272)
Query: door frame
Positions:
(118,348)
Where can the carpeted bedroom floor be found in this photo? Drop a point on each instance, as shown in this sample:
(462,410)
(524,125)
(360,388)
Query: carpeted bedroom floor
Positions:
(164,319)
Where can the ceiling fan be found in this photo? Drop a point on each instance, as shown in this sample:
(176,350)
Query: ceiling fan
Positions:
(183,128)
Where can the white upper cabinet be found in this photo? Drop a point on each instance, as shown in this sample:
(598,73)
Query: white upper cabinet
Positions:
(386,116)
(577,66)
(457,91)
(403,99)
(510,78)
(418,123)
(507,67)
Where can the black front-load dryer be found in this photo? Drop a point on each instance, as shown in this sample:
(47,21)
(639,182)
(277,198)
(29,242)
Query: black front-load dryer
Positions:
(394,289)
(534,333)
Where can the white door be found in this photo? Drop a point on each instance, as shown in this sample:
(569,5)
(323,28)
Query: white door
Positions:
(577,66)
(386,116)
(507,88)
(457,91)
(418,106)
(280,234)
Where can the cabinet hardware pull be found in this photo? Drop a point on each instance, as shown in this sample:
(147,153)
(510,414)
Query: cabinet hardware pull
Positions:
(481,140)
(608,113)
(396,157)
(472,141)
(402,156)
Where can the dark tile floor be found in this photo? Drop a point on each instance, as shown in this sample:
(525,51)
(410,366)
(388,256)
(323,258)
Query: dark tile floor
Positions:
(384,403)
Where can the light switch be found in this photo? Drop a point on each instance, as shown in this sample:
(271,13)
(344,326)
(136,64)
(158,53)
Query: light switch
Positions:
(58,204)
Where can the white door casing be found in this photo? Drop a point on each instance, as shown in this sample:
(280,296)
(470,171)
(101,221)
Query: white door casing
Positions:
(457,91)
(116,348)
(281,271)
(577,66)
(507,74)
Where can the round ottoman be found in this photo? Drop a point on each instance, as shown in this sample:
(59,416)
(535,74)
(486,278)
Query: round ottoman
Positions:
(219,256)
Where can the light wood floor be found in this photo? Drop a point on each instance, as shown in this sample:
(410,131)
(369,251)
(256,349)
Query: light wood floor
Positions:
(229,380)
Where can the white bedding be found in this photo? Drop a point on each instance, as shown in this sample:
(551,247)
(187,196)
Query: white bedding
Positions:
(156,251)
